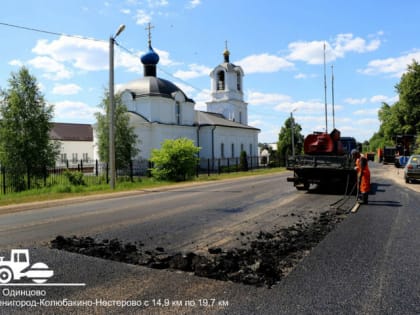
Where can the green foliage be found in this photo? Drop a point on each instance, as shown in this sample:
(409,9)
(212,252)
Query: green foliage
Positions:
(403,117)
(125,138)
(25,146)
(284,145)
(243,162)
(176,160)
(75,178)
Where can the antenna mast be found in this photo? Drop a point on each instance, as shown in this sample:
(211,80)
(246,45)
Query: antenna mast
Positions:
(325,94)
(332,94)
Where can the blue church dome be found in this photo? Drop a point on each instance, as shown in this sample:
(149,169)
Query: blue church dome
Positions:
(150,58)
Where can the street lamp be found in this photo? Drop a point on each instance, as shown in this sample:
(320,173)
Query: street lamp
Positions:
(111,109)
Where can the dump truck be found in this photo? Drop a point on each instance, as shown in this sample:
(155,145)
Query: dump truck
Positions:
(326,161)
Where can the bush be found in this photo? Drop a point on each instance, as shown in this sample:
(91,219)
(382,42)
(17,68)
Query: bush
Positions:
(176,160)
(75,178)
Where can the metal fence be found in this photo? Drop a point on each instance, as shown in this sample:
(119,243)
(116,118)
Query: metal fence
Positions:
(95,172)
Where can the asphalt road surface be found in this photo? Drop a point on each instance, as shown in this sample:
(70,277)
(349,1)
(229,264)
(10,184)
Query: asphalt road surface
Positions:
(368,265)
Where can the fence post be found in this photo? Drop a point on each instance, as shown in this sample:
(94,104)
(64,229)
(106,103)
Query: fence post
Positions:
(28,174)
(81,166)
(107,169)
(96,167)
(45,175)
(218,166)
(131,170)
(3,173)
(228,165)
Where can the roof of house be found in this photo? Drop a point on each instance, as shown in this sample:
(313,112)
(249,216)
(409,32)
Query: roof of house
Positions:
(215,119)
(71,132)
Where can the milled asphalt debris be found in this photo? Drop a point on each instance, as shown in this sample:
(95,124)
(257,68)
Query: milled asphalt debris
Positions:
(267,256)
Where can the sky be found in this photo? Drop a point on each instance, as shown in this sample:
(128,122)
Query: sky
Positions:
(278,43)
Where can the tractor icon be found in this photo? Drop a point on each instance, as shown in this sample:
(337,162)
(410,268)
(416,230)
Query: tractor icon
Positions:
(18,267)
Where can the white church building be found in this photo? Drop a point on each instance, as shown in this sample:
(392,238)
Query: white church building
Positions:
(159,110)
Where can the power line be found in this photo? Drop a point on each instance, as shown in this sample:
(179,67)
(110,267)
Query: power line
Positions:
(49,32)
(92,39)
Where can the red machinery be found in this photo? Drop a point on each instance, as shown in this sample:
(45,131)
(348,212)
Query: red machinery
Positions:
(323,143)
(326,161)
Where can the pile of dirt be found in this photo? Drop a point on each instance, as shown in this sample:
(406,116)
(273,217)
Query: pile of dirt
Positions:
(267,258)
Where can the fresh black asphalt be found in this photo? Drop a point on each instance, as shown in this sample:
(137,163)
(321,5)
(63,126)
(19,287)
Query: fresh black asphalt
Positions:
(368,265)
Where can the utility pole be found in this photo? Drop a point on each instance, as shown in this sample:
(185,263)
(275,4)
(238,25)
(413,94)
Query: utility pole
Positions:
(111,113)
(325,94)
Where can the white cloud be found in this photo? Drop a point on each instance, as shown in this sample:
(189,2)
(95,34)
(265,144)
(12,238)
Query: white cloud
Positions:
(313,52)
(78,111)
(310,52)
(193,72)
(66,89)
(125,11)
(157,3)
(263,63)
(142,17)
(366,111)
(52,68)
(373,99)
(83,54)
(256,98)
(201,98)
(16,62)
(384,99)
(355,101)
(193,4)
(304,76)
(394,67)
(311,106)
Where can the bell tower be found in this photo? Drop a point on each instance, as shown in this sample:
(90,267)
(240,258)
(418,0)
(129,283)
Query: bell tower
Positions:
(227,96)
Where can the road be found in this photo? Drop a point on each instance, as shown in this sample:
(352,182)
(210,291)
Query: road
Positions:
(206,214)
(367,265)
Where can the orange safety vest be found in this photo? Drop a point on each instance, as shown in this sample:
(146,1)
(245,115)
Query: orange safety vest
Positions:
(363,175)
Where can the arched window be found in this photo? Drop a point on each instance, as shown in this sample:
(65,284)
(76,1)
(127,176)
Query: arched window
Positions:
(233,150)
(222,150)
(238,81)
(220,80)
(178,113)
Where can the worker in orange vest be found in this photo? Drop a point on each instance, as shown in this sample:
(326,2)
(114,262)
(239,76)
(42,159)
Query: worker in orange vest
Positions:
(363,176)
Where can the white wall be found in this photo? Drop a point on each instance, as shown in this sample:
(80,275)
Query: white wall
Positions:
(76,147)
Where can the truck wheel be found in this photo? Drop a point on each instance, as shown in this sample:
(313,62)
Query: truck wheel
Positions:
(5,275)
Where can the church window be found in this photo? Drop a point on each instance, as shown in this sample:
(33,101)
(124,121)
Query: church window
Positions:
(238,81)
(242,147)
(222,150)
(250,149)
(220,80)
(233,150)
(178,113)
(240,117)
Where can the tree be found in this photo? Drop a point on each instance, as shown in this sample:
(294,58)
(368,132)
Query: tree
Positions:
(125,137)
(25,146)
(175,160)
(284,145)
(409,98)
(403,117)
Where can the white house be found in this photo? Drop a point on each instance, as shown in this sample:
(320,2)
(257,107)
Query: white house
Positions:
(76,143)
(160,110)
